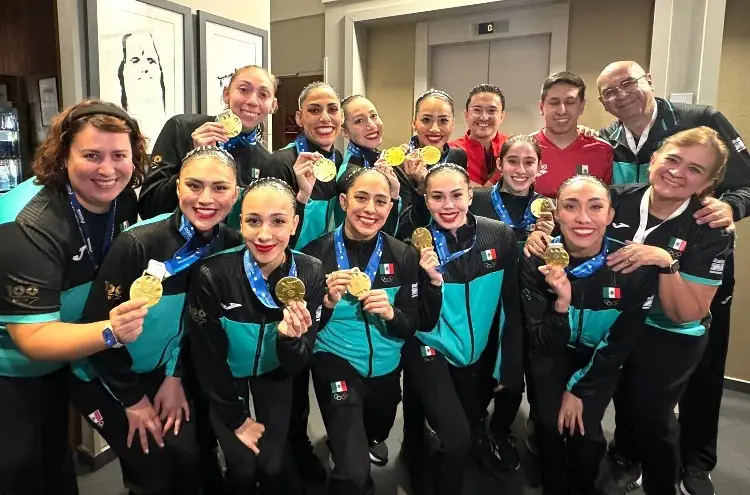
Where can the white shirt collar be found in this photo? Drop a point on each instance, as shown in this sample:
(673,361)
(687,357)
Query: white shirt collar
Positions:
(635,148)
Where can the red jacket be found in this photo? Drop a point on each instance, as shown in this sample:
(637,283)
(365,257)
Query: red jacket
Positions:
(589,155)
(476,164)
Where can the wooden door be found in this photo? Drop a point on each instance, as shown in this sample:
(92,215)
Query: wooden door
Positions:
(284,126)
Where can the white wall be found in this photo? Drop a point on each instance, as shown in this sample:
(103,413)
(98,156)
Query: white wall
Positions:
(291,9)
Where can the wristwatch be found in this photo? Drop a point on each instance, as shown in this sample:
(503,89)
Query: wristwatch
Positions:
(110,339)
(673,267)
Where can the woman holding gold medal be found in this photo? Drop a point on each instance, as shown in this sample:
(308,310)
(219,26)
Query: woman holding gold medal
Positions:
(57,228)
(513,201)
(252,338)
(249,98)
(448,370)
(364,129)
(433,125)
(370,308)
(583,320)
(140,392)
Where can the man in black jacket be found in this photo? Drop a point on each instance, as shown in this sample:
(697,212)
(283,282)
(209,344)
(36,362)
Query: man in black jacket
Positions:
(644,121)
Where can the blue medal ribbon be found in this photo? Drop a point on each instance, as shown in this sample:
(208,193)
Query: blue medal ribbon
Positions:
(354,150)
(258,284)
(342,260)
(588,267)
(302,145)
(83,228)
(502,212)
(185,256)
(441,248)
(245,140)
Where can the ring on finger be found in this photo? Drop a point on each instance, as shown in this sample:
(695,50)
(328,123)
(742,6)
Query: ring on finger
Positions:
(630,259)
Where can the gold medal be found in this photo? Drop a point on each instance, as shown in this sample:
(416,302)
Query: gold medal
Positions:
(231,123)
(556,255)
(540,205)
(290,289)
(147,287)
(394,156)
(324,170)
(421,238)
(430,155)
(359,284)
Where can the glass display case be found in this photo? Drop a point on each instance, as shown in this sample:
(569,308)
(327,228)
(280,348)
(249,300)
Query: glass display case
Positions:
(11,169)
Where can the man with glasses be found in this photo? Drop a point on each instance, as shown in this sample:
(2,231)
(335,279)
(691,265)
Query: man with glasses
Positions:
(644,121)
(485,111)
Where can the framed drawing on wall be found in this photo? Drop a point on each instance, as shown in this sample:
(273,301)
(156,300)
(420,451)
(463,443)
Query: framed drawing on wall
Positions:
(223,47)
(140,56)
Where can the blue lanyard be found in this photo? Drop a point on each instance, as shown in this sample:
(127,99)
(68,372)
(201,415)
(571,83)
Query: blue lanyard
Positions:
(302,145)
(414,144)
(246,140)
(342,260)
(441,247)
(502,212)
(83,229)
(185,256)
(354,150)
(588,267)
(258,284)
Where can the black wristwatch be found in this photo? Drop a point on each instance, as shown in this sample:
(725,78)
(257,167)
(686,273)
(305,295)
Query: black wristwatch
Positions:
(673,267)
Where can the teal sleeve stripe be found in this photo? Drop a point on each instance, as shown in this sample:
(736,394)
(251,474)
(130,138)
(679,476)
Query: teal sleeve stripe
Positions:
(45,318)
(699,280)
(581,373)
(398,217)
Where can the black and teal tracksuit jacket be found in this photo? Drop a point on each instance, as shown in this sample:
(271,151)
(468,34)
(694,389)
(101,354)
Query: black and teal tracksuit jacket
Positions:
(480,299)
(356,157)
(235,336)
(702,251)
(45,268)
(159,347)
(175,141)
(316,217)
(672,118)
(603,323)
(369,343)
(482,205)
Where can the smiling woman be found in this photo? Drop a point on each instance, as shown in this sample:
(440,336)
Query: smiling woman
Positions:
(139,386)
(56,229)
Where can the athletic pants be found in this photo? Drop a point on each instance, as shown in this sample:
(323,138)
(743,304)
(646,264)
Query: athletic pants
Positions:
(171,470)
(355,409)
(652,383)
(454,402)
(273,468)
(35,458)
(568,463)
(700,404)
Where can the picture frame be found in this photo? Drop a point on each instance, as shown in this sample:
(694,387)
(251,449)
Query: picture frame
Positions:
(224,46)
(48,99)
(140,55)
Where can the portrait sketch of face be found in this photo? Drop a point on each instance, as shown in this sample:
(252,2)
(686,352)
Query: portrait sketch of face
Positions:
(141,75)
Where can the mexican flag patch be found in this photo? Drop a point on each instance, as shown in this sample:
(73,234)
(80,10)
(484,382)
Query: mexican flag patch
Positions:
(337,387)
(611,293)
(677,243)
(489,255)
(427,351)
(387,269)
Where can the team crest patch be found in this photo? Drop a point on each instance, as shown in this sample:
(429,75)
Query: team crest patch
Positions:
(254,173)
(156,159)
(339,390)
(717,267)
(97,418)
(582,169)
(739,146)
(427,351)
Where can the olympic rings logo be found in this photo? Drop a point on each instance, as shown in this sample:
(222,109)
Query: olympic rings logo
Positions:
(341,396)
(386,279)
(489,264)
(609,302)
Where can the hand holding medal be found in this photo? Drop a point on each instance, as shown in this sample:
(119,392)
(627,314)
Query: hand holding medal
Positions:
(147,287)
(556,255)
(336,285)
(359,284)
(304,172)
(556,259)
(231,123)
(414,166)
(291,292)
(428,258)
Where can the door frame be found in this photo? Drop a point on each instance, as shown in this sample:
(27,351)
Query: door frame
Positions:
(550,19)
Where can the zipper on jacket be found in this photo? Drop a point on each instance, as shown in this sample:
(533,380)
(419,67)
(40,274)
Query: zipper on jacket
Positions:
(468,314)
(637,171)
(580,323)
(260,345)
(369,340)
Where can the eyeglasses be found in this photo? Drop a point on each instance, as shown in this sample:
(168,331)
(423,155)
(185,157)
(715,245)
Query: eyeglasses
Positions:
(625,86)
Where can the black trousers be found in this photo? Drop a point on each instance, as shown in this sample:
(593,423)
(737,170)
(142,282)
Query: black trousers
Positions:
(272,469)
(354,409)
(568,463)
(300,409)
(700,404)
(454,402)
(652,383)
(171,470)
(34,455)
